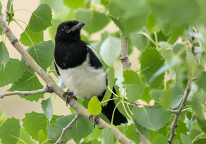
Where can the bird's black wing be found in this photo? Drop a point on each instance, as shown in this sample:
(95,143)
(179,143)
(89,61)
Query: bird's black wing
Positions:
(94,58)
(56,69)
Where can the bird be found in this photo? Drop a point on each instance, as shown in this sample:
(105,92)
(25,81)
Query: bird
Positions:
(81,69)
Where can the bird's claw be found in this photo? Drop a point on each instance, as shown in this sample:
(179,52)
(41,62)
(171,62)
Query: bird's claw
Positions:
(68,96)
(95,119)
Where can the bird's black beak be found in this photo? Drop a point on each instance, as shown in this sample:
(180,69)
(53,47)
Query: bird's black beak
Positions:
(76,27)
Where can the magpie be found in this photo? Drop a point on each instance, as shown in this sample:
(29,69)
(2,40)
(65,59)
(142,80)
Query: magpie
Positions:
(81,69)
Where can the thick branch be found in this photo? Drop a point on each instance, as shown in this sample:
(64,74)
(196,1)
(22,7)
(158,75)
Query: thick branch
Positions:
(73,103)
(25,93)
(69,126)
(124,53)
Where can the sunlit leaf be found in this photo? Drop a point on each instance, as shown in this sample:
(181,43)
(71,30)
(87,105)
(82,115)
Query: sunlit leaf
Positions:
(94,106)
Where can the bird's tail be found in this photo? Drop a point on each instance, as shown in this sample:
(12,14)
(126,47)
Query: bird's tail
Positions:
(107,110)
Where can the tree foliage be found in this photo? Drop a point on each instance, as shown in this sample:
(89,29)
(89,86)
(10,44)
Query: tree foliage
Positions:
(170,38)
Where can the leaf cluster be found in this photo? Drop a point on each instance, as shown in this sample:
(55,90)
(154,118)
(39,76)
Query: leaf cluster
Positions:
(159,31)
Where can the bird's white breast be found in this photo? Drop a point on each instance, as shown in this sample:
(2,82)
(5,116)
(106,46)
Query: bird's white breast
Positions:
(84,81)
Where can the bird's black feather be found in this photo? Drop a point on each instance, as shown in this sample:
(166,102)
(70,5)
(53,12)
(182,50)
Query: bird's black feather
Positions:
(94,60)
(77,61)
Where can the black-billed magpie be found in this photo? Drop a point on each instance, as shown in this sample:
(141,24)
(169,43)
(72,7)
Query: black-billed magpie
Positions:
(81,69)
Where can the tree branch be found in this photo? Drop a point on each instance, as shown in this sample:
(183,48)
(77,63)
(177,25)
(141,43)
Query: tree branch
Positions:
(47,89)
(183,103)
(73,103)
(69,126)
(124,53)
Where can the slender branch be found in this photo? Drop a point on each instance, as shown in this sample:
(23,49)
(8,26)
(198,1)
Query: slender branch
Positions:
(69,126)
(73,103)
(124,53)
(25,93)
(183,103)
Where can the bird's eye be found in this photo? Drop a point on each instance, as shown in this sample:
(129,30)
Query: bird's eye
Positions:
(66,27)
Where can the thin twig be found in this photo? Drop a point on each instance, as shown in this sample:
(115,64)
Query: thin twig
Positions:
(183,103)
(177,113)
(57,90)
(124,53)
(47,89)
(69,126)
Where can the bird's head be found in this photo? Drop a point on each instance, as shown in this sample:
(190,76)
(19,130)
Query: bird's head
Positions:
(69,30)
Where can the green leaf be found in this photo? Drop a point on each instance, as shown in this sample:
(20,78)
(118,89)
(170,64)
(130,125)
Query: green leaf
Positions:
(42,137)
(201,81)
(124,108)
(177,94)
(142,131)
(10,9)
(135,86)
(94,106)
(9,131)
(41,18)
(108,136)
(53,29)
(166,98)
(192,62)
(179,12)
(29,37)
(151,61)
(47,108)
(74,4)
(202,124)
(157,95)
(152,24)
(34,122)
(181,129)
(4,54)
(152,118)
(28,82)
(95,21)
(140,41)
(80,129)
(185,139)
(160,139)
(146,95)
(13,68)
(197,106)
(42,53)
(0,10)
(25,138)
(2,117)
(200,141)
(128,12)
(110,50)
(56,5)
(111,83)
(120,25)
(96,133)
(131,134)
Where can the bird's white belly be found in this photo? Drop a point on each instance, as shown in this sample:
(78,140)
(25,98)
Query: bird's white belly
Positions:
(84,81)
